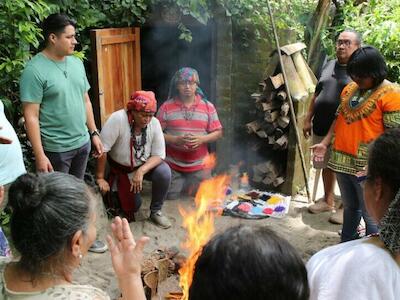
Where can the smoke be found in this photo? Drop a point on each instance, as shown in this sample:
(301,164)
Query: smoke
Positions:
(163,53)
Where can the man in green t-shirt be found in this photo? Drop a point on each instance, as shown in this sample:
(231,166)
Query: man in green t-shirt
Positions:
(57,109)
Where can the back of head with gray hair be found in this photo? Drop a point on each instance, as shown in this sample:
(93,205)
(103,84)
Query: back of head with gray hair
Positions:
(47,210)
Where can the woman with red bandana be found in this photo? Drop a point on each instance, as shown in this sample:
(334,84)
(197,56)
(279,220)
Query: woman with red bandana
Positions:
(134,147)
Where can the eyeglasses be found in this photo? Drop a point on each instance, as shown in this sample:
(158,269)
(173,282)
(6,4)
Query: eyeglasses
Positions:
(186,82)
(345,43)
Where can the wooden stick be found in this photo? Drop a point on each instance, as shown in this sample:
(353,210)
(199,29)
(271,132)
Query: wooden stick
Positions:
(292,114)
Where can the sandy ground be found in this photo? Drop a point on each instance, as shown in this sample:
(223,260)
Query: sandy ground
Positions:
(308,233)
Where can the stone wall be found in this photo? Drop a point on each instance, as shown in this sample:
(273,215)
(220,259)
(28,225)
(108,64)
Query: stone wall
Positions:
(239,68)
(223,59)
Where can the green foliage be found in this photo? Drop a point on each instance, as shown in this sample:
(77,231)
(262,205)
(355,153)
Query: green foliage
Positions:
(186,34)
(21,35)
(292,14)
(19,32)
(378,23)
(4,218)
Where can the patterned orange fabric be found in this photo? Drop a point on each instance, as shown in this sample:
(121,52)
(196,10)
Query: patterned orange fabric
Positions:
(361,119)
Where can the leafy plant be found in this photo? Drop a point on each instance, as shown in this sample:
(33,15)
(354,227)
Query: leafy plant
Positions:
(377,22)
(19,29)
(251,17)
(21,35)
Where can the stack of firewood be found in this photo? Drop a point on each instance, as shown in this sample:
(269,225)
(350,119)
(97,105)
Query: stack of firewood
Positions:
(273,113)
(271,127)
(272,117)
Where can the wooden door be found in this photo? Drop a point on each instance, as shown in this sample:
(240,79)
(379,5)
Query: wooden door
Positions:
(116,70)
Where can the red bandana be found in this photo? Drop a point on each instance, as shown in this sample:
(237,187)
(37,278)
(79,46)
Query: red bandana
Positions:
(142,101)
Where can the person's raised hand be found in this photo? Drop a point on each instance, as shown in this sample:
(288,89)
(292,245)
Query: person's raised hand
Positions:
(126,253)
(319,151)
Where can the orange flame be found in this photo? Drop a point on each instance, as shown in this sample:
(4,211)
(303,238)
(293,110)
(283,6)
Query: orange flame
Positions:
(210,161)
(200,225)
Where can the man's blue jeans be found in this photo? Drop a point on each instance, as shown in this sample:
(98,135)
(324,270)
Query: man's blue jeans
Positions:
(354,207)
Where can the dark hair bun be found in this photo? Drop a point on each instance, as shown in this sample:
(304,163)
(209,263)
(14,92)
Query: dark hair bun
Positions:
(26,192)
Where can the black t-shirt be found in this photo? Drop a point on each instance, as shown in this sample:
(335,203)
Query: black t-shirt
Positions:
(331,83)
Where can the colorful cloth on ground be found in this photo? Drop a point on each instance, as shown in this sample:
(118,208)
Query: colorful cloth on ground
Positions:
(256,204)
(62,291)
(360,121)
(358,269)
(62,115)
(11,159)
(176,119)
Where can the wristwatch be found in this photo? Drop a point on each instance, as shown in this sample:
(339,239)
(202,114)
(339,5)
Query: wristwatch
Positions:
(94,132)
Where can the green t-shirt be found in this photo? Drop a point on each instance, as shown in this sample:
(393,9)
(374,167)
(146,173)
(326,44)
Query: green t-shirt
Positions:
(59,88)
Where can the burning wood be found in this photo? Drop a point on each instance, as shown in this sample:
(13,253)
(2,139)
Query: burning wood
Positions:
(200,226)
(174,296)
(157,268)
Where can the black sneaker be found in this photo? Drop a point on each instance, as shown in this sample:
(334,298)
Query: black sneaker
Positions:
(98,247)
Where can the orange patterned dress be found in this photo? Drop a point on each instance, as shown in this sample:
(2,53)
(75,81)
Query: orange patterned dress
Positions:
(360,120)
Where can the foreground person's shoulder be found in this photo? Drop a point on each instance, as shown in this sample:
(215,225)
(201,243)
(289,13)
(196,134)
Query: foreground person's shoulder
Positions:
(78,292)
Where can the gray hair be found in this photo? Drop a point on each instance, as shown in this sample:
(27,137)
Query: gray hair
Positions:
(356,33)
(47,210)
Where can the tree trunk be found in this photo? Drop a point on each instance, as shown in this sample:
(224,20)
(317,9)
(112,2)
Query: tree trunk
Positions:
(317,24)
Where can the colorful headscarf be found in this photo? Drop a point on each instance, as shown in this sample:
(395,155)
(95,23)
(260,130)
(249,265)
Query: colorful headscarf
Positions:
(142,101)
(185,74)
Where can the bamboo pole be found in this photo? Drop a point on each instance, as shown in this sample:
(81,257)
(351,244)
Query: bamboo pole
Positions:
(292,114)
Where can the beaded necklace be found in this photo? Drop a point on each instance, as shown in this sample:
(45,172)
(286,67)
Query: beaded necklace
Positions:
(137,145)
(188,112)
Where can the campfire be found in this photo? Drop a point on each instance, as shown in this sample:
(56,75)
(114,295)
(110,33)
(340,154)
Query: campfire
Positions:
(229,194)
(199,224)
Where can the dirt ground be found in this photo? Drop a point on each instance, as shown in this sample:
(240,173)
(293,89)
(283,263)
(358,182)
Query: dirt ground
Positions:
(308,233)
